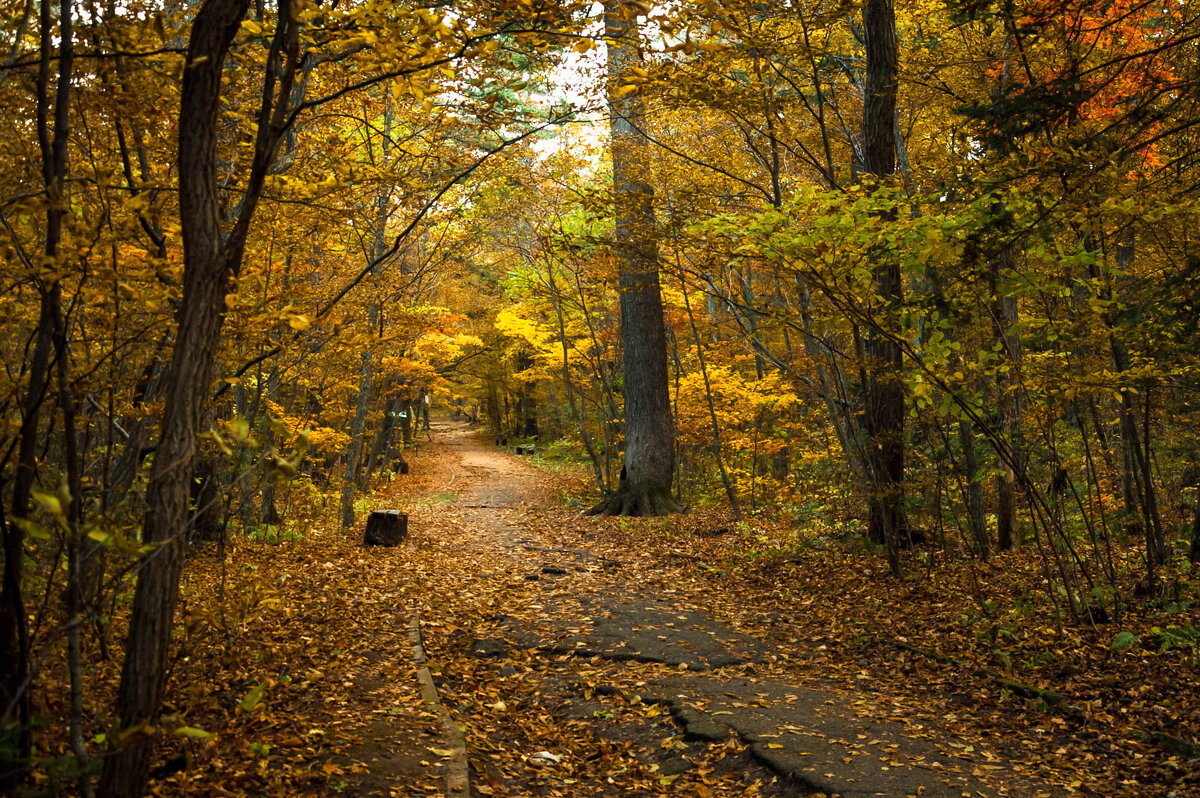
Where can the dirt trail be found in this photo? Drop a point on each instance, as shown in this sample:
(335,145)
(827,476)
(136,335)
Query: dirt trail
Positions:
(576,671)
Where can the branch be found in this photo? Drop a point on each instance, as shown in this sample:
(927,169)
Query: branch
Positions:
(377,261)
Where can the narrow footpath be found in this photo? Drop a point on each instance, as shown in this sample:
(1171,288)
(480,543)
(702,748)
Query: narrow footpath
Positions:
(576,665)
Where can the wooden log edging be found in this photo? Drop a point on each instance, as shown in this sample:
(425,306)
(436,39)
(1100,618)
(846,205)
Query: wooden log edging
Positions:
(458,780)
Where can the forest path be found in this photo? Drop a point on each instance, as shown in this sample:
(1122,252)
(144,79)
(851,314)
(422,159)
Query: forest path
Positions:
(580,666)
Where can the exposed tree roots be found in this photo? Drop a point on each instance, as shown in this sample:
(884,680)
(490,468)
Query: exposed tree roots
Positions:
(630,502)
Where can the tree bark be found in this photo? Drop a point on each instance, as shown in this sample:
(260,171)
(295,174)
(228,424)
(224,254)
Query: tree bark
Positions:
(644,487)
(528,399)
(883,390)
(210,258)
(354,458)
(966,434)
(381,441)
(1004,317)
(555,301)
(14,634)
(1194,549)
(357,430)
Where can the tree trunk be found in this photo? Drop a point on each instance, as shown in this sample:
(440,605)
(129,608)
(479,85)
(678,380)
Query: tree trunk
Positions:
(354,458)
(209,259)
(644,487)
(730,492)
(966,434)
(1194,549)
(357,430)
(77,550)
(383,437)
(1004,317)
(406,421)
(268,512)
(492,410)
(205,522)
(528,399)
(15,739)
(150,389)
(883,390)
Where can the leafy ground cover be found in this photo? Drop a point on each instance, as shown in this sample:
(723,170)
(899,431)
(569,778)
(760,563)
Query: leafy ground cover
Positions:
(293,671)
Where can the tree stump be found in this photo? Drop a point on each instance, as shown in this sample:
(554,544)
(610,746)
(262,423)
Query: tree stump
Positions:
(386,528)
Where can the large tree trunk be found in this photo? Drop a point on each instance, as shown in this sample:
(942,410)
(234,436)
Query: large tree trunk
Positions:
(884,391)
(209,260)
(649,466)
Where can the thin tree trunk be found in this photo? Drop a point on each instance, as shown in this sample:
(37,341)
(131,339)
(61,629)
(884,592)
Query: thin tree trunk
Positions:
(883,386)
(528,399)
(1136,448)
(14,634)
(1194,549)
(76,565)
(406,422)
(604,374)
(358,426)
(600,472)
(1008,408)
(268,512)
(357,430)
(383,437)
(712,411)
(966,434)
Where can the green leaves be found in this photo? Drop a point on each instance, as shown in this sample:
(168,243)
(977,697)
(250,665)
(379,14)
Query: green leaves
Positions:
(239,429)
(194,733)
(1123,640)
(252,698)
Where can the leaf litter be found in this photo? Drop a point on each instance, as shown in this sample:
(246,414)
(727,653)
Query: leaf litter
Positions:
(301,680)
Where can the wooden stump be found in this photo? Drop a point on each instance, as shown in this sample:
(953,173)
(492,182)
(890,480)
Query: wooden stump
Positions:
(386,528)
(524,448)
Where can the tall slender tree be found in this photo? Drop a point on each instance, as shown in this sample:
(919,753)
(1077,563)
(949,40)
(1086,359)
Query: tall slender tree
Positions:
(211,257)
(883,389)
(53,120)
(644,487)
